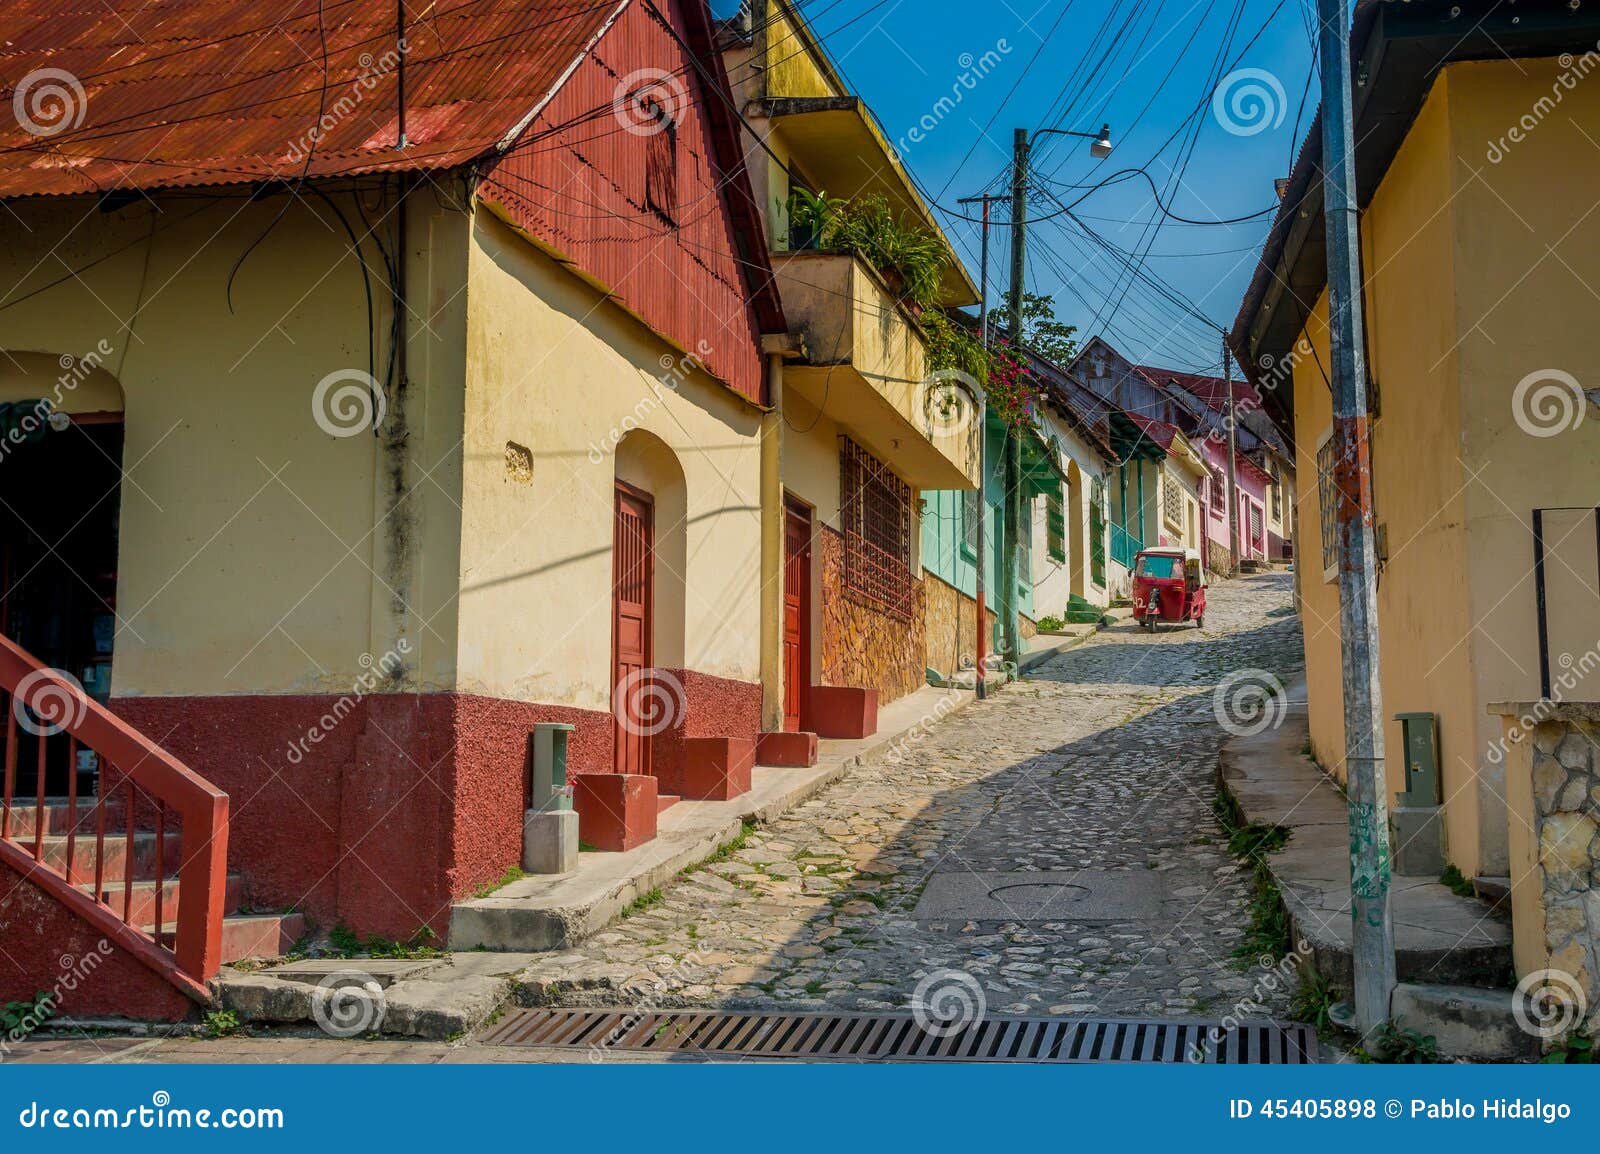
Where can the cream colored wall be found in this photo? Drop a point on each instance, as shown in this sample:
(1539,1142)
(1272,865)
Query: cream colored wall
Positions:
(253,558)
(790,70)
(554,368)
(1520,309)
(1409,237)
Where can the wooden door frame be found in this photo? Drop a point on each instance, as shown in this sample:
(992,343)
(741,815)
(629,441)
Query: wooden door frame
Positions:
(803,510)
(633,492)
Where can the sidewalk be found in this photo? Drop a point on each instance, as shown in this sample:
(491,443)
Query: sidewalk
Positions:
(1440,938)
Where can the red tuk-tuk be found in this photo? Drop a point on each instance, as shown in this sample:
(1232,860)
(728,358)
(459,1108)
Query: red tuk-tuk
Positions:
(1169,584)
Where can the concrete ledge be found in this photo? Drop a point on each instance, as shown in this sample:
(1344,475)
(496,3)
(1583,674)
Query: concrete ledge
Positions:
(1439,937)
(553,913)
(1465,1021)
(1048,645)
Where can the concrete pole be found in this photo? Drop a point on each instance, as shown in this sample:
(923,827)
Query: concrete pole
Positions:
(1007,601)
(1373,953)
(1234,533)
(772,558)
(981,641)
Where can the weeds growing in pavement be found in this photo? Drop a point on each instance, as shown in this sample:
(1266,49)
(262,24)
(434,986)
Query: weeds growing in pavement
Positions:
(1268,932)
(1313,1002)
(221,1024)
(644,902)
(1456,882)
(1395,1045)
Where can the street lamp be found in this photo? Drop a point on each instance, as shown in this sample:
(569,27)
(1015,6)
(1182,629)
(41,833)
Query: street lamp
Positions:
(1099,149)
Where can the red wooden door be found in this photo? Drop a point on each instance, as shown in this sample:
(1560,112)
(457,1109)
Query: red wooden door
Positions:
(632,570)
(796,614)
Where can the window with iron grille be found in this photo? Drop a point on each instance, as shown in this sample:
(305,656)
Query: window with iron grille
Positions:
(1055,528)
(661,160)
(875,517)
(1219,493)
(1328,504)
(1025,545)
(1097,533)
(1172,503)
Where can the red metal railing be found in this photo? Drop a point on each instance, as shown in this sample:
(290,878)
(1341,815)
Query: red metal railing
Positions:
(117,882)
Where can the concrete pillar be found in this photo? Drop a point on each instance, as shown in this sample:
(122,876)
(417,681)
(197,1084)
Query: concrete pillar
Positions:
(772,525)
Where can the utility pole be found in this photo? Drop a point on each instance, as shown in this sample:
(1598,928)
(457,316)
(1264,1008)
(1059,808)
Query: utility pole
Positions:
(1007,602)
(980,683)
(1234,533)
(1373,953)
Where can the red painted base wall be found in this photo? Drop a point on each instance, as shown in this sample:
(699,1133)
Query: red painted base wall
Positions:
(377,813)
(46,949)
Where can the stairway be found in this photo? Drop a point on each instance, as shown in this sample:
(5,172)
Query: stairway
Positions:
(136,879)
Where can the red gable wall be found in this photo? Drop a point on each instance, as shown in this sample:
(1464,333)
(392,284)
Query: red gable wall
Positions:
(576,180)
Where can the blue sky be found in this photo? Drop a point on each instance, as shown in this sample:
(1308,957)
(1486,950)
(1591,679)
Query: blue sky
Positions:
(1077,64)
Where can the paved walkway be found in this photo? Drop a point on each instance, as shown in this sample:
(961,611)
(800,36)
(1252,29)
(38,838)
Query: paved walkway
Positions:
(1099,769)
(1103,761)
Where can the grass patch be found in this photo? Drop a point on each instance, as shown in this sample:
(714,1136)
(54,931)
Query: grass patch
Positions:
(1573,1050)
(512,874)
(1313,1003)
(727,849)
(1268,932)
(643,902)
(346,943)
(1456,882)
(1397,1046)
(221,1024)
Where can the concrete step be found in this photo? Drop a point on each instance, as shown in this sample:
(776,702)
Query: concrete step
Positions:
(143,899)
(1495,892)
(116,853)
(25,816)
(255,935)
(1465,1021)
(1440,937)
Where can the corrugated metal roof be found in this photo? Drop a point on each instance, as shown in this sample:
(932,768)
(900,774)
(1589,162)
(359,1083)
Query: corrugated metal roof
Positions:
(154,93)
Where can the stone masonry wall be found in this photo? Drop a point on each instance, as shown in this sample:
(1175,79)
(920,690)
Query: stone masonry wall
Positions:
(1566,814)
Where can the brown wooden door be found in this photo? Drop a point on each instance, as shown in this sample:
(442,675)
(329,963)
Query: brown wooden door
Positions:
(796,614)
(632,570)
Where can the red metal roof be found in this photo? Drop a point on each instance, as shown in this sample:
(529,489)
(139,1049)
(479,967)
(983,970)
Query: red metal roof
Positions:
(186,92)
(1158,431)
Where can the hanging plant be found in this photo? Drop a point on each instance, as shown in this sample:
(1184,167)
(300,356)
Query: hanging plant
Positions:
(950,346)
(1013,393)
(911,259)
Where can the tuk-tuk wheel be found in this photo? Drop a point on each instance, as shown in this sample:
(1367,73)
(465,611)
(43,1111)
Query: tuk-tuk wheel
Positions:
(1200,621)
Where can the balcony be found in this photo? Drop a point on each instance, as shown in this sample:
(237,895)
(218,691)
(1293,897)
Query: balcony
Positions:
(865,369)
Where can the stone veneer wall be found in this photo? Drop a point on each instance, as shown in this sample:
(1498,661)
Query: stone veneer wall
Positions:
(1553,794)
(863,646)
(1566,805)
(951,619)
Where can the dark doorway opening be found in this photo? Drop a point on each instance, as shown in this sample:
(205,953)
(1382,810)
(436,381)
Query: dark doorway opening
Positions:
(60,495)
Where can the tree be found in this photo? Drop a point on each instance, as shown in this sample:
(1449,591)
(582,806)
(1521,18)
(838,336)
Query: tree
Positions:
(1053,340)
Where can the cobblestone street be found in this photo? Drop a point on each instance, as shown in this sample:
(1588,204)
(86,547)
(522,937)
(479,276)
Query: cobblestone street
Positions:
(1102,761)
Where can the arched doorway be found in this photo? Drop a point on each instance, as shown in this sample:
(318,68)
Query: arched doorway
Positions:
(60,501)
(649,557)
(1077,519)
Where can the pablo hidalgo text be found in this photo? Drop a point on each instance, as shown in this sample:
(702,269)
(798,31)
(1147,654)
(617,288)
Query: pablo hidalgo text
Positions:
(1494,1109)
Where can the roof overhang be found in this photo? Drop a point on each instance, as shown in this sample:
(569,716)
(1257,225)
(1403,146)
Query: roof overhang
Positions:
(1397,50)
(839,146)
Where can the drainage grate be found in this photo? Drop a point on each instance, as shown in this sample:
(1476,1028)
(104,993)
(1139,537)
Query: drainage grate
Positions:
(899,1038)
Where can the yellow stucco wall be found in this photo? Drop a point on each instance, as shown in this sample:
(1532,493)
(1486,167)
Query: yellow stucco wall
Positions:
(556,370)
(255,554)
(1464,302)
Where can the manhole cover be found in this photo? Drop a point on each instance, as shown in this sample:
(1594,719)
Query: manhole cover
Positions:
(1026,895)
(1077,896)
